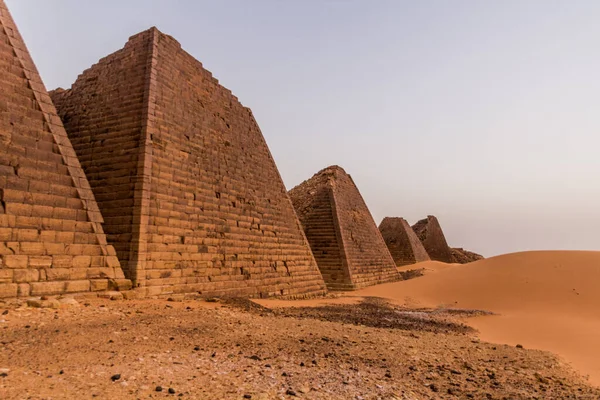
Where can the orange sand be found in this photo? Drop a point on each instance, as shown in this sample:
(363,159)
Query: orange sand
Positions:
(548,300)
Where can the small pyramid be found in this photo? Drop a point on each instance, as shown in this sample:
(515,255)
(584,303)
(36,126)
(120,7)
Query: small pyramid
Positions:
(404,245)
(431,235)
(343,236)
(191,196)
(51,238)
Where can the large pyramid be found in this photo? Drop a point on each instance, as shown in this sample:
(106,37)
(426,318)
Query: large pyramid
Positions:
(404,245)
(341,231)
(431,235)
(51,238)
(190,194)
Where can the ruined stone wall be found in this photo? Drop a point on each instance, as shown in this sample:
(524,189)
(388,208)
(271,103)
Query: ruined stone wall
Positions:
(51,238)
(313,204)
(404,245)
(462,256)
(431,235)
(210,211)
(368,256)
(103,114)
(363,256)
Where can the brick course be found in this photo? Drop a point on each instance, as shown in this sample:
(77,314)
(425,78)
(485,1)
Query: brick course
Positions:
(346,243)
(191,196)
(50,225)
(404,245)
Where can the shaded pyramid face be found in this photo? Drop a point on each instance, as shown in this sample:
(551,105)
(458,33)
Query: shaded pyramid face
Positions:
(51,238)
(345,241)
(190,194)
(404,245)
(431,235)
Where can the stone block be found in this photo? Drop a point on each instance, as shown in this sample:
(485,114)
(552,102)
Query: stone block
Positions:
(77,286)
(16,261)
(26,275)
(98,285)
(47,288)
(8,290)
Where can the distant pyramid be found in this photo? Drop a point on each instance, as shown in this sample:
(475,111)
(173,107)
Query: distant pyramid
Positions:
(404,245)
(462,256)
(191,196)
(342,234)
(431,235)
(51,238)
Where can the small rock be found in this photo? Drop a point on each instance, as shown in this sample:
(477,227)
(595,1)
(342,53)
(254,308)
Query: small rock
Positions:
(111,295)
(247,396)
(4,312)
(171,391)
(290,392)
(388,375)
(196,348)
(68,301)
(115,377)
(255,358)
(519,346)
(158,389)
(434,388)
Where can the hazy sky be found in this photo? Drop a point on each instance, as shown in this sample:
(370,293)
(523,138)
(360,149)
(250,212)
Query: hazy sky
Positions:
(483,113)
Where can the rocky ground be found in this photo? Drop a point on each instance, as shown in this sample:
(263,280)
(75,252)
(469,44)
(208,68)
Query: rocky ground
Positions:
(193,349)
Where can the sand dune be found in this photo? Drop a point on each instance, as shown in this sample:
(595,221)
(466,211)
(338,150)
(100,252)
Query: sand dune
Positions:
(548,300)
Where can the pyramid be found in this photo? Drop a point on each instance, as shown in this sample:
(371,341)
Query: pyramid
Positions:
(431,235)
(404,245)
(51,238)
(191,196)
(343,236)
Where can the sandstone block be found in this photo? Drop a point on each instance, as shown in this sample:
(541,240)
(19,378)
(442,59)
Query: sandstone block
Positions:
(8,290)
(47,288)
(98,285)
(26,275)
(77,286)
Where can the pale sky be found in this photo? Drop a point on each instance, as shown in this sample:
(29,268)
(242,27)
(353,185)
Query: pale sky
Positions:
(483,113)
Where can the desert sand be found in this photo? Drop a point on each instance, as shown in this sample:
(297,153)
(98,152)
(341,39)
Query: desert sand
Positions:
(546,300)
(345,346)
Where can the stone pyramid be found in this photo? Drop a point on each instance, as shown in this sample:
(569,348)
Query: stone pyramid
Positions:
(431,235)
(191,197)
(51,238)
(341,231)
(404,245)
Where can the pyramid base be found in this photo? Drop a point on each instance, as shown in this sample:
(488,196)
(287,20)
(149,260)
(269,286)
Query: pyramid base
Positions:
(202,290)
(52,288)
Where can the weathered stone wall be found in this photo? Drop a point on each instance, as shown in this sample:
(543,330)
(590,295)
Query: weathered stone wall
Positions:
(104,114)
(51,238)
(363,252)
(431,235)
(313,203)
(210,211)
(462,256)
(404,245)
